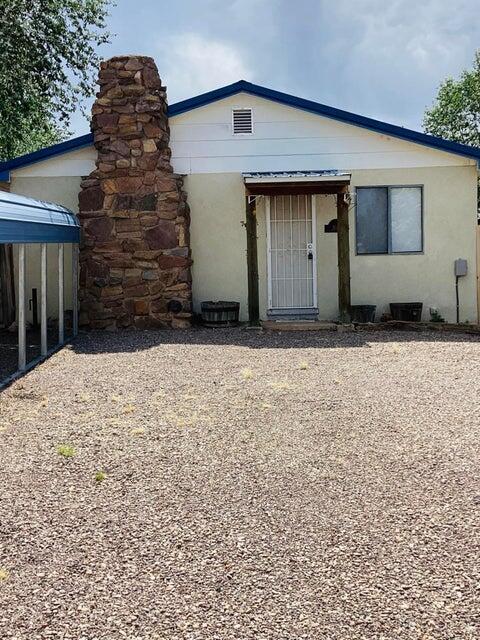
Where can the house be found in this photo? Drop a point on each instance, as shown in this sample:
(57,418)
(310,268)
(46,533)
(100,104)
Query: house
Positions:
(290,207)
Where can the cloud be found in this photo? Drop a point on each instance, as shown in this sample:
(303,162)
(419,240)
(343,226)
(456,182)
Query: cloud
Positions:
(190,64)
(381,59)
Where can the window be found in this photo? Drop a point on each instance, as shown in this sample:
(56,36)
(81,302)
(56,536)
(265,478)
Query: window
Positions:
(389,220)
(242,122)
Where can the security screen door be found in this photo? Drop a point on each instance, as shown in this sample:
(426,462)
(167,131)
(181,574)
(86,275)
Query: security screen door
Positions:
(291,252)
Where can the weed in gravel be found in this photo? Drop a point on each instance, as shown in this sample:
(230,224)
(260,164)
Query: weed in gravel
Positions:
(66,450)
(184,421)
(84,397)
(128,408)
(44,401)
(280,386)
(247,374)
(4,575)
(137,431)
(100,476)
(303,366)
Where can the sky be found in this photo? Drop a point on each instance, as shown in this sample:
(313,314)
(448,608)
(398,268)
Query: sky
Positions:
(380,58)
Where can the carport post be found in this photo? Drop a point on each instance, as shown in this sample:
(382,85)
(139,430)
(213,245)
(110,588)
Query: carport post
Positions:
(61,313)
(22,337)
(43,300)
(75,287)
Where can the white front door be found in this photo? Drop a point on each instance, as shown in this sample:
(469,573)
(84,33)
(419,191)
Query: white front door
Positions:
(291,252)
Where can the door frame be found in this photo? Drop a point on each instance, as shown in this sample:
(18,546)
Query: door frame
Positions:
(314,251)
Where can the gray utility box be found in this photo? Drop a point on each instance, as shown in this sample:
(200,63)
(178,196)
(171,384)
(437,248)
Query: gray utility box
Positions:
(460,267)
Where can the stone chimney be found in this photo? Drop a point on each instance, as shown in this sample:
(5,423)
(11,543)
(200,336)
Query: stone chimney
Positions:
(135,258)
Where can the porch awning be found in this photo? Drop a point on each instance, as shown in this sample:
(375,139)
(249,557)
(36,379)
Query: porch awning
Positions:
(24,220)
(296,182)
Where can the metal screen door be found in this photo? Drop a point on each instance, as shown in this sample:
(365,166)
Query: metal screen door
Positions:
(291,252)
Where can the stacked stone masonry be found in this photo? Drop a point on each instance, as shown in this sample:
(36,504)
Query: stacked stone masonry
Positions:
(135,256)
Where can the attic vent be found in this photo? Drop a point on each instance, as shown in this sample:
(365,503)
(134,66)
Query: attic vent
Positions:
(242,121)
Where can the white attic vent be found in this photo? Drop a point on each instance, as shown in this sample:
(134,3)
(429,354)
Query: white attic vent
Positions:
(242,122)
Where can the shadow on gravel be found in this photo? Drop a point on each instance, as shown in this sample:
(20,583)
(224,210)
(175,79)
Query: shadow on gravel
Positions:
(125,341)
(9,349)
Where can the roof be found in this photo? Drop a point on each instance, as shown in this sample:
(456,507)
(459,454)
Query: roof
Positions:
(26,220)
(242,86)
(297,176)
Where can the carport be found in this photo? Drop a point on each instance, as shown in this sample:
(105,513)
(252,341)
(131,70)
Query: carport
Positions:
(29,231)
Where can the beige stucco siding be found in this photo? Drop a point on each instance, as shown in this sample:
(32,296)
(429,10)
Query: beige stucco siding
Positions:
(450,221)
(64,191)
(218,241)
(218,238)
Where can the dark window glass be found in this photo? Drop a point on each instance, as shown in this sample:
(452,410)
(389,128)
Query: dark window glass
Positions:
(389,220)
(372,220)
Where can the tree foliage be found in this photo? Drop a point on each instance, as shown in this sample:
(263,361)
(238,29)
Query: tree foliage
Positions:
(48,64)
(455,115)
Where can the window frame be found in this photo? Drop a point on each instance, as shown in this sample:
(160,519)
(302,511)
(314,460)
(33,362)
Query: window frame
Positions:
(235,135)
(389,251)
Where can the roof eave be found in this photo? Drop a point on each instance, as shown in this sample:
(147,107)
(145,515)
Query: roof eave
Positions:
(204,99)
(328,112)
(43,154)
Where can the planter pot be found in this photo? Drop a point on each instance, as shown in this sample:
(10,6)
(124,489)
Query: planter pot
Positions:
(407,311)
(220,314)
(362,313)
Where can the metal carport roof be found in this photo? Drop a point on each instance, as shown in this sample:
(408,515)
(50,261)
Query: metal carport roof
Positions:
(24,220)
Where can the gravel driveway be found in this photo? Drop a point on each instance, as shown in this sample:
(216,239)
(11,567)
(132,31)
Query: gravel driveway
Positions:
(256,486)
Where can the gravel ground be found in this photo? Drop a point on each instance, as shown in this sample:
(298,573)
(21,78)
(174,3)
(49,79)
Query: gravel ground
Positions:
(257,486)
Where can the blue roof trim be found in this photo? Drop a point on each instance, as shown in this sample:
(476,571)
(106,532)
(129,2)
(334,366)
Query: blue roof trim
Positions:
(43,154)
(323,110)
(26,220)
(269,94)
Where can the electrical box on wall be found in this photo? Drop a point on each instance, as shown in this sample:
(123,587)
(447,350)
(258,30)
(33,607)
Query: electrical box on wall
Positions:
(460,267)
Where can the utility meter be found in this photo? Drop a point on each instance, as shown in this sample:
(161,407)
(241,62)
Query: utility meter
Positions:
(460,267)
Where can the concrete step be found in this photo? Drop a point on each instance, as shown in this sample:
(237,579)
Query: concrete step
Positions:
(299,325)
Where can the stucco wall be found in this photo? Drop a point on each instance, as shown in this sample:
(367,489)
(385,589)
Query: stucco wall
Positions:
(218,238)
(450,223)
(218,241)
(64,191)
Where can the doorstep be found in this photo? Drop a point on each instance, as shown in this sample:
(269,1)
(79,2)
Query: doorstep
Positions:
(299,325)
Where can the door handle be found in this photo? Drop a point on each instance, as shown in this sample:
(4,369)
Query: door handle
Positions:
(310,255)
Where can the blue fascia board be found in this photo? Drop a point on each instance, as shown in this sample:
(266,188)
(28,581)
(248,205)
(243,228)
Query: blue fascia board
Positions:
(269,94)
(43,154)
(328,112)
(16,232)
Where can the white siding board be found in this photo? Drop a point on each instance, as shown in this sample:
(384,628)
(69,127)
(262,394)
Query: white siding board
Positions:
(288,138)
(72,163)
(300,162)
(284,138)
